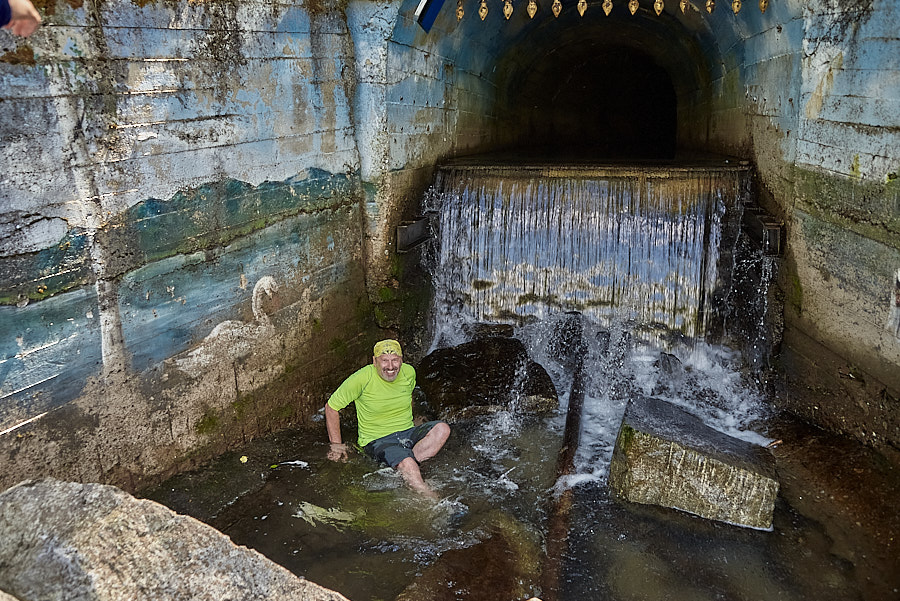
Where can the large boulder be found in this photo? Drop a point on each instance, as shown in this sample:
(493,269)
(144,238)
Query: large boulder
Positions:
(61,540)
(665,456)
(484,375)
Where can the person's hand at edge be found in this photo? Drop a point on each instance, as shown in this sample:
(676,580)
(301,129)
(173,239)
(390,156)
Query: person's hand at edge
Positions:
(25,18)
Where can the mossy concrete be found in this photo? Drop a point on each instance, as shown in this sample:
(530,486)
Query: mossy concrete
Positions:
(135,429)
(839,363)
(143,159)
(665,456)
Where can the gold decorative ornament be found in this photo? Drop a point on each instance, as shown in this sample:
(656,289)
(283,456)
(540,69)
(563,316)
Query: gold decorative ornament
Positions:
(710,6)
(633,5)
(582,6)
(531,9)
(483,9)
(507,9)
(736,6)
(607,7)
(460,12)
(658,6)
(763,5)
(683,4)
(556,8)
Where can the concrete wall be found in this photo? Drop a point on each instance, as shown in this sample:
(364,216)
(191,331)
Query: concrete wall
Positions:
(421,97)
(823,103)
(808,91)
(183,221)
(198,208)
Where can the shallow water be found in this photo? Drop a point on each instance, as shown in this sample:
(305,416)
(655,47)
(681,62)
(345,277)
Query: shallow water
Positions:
(355,528)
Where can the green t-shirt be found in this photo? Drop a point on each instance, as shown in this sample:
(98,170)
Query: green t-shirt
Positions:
(382,407)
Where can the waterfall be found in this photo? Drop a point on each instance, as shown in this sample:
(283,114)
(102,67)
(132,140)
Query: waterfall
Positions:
(650,256)
(633,246)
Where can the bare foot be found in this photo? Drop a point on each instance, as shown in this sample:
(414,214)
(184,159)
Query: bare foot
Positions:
(409,469)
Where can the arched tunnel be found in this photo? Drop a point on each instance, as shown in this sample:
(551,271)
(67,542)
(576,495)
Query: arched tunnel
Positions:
(607,87)
(614,87)
(598,101)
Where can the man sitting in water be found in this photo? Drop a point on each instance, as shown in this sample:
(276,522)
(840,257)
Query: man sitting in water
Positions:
(383,395)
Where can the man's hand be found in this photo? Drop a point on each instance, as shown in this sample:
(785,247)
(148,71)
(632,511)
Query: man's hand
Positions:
(25,19)
(338,452)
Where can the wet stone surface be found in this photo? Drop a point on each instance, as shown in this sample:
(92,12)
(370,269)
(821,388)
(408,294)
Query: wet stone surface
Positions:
(835,534)
(94,542)
(485,375)
(666,456)
(355,528)
(834,538)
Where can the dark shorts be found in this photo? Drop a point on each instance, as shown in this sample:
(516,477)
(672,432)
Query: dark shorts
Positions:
(394,448)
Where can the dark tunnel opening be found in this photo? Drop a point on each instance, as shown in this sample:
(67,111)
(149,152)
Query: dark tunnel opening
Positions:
(616,103)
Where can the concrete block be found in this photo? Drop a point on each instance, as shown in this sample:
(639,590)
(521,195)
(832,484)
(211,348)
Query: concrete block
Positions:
(665,456)
(61,540)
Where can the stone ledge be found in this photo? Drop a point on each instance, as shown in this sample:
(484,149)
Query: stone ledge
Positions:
(665,456)
(92,542)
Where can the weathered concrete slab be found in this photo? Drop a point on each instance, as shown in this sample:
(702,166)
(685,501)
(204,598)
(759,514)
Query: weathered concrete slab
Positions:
(485,375)
(61,540)
(664,456)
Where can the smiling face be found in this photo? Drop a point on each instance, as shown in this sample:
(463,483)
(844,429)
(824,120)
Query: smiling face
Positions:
(388,366)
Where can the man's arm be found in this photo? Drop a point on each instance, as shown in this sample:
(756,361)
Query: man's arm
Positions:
(338,450)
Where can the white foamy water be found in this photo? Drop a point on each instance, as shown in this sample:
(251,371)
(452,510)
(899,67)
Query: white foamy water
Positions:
(707,381)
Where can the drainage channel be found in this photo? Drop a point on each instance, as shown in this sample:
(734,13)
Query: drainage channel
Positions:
(559,511)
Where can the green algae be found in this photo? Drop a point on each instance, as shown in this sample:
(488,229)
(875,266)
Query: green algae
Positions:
(386,294)
(242,408)
(338,346)
(208,423)
(867,208)
(795,293)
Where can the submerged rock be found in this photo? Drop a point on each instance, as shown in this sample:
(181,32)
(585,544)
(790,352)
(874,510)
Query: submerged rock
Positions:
(671,374)
(62,540)
(505,564)
(485,375)
(664,456)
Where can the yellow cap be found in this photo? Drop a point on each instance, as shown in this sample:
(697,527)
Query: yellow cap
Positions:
(387,347)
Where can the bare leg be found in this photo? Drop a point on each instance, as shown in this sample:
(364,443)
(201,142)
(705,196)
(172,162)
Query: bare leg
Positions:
(429,446)
(409,469)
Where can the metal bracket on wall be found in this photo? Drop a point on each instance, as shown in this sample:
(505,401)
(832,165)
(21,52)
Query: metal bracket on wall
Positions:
(411,234)
(765,230)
